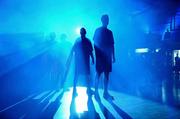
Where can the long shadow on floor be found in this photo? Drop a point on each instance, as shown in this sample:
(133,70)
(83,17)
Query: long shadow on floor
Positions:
(51,109)
(123,114)
(106,112)
(31,109)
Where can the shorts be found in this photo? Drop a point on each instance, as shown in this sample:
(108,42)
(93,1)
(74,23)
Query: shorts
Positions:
(103,61)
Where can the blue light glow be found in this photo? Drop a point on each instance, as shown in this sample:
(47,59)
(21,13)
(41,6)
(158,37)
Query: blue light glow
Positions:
(29,57)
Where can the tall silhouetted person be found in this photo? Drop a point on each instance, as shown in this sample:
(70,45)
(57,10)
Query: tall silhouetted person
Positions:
(82,51)
(104,51)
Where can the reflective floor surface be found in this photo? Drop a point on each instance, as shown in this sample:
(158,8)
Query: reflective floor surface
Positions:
(59,105)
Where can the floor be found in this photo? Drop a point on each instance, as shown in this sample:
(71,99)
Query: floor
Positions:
(29,70)
(59,105)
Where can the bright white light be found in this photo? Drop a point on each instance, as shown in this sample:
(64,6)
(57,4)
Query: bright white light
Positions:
(81,100)
(157,50)
(63,111)
(142,50)
(78,30)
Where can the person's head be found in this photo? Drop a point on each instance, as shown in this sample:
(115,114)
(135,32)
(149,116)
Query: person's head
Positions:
(63,37)
(105,20)
(177,54)
(52,36)
(83,32)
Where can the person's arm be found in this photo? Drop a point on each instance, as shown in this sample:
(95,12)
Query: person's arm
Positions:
(67,67)
(92,57)
(69,58)
(91,52)
(113,51)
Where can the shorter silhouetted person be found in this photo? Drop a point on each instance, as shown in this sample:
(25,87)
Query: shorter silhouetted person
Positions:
(104,51)
(82,50)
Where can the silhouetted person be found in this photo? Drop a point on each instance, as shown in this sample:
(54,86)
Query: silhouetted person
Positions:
(52,61)
(104,51)
(167,35)
(82,51)
(177,60)
(65,47)
(177,63)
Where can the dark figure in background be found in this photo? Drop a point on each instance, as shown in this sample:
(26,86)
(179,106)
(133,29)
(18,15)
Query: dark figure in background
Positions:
(176,76)
(52,61)
(167,35)
(82,51)
(177,61)
(104,51)
(177,65)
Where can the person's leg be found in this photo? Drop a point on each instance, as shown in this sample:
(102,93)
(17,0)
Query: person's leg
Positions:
(106,81)
(75,82)
(88,84)
(96,85)
(97,82)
